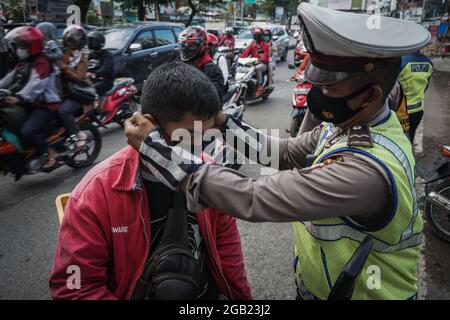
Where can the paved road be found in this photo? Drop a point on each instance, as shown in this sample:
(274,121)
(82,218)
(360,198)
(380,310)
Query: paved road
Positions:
(28,223)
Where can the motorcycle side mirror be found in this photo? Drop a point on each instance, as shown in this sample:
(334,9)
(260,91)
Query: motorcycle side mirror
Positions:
(291,66)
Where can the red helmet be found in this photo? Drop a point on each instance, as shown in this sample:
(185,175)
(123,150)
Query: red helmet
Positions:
(258,33)
(32,38)
(192,43)
(213,44)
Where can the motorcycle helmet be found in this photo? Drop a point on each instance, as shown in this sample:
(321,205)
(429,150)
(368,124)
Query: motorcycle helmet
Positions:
(192,43)
(75,35)
(213,44)
(267,35)
(96,40)
(258,34)
(31,38)
(228,31)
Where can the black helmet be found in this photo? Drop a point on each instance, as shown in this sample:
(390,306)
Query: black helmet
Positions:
(75,34)
(96,40)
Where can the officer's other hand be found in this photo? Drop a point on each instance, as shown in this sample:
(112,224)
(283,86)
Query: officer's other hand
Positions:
(137,129)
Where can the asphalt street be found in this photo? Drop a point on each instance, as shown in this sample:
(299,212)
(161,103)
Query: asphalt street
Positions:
(29,225)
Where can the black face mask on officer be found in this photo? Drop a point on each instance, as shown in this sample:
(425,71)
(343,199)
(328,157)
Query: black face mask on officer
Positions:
(333,110)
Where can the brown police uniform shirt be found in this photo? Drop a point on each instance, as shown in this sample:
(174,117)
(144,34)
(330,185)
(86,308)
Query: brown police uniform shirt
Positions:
(348,184)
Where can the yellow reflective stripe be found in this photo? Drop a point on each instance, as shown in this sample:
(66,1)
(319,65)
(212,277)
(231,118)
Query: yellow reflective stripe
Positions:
(337,232)
(401,156)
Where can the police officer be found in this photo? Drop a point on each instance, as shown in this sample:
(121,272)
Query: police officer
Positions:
(416,70)
(349,178)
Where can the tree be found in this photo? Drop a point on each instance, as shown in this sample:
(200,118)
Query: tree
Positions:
(141,6)
(84,8)
(198,6)
(14,10)
(268,6)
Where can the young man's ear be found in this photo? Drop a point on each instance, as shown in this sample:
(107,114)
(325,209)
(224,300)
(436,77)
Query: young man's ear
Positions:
(374,94)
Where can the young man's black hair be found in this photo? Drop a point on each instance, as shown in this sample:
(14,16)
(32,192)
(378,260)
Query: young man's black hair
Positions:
(175,88)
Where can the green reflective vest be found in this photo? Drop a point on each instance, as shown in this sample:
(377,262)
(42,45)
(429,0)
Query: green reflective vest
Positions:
(414,77)
(323,247)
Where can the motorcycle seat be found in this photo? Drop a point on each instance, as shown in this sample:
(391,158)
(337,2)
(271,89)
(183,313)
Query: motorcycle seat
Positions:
(119,83)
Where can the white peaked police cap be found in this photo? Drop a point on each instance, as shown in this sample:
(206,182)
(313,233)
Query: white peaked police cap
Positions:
(343,43)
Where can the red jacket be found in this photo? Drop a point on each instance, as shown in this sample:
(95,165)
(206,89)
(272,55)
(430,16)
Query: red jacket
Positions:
(106,233)
(252,51)
(227,41)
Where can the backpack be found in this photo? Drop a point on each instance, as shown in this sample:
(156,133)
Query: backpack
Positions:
(171,272)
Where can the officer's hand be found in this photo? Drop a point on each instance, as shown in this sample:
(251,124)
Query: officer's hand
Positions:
(137,129)
(11,101)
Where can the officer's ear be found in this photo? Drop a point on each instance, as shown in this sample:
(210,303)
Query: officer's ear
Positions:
(374,96)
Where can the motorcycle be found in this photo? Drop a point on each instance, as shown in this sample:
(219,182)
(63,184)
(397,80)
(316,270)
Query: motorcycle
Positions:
(19,161)
(234,100)
(117,104)
(245,73)
(299,103)
(232,58)
(437,202)
(299,54)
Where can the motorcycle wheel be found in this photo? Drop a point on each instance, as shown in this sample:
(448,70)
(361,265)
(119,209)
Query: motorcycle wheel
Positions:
(439,218)
(295,126)
(94,145)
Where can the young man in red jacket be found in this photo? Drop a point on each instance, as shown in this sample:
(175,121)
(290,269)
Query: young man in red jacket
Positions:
(116,215)
(258,49)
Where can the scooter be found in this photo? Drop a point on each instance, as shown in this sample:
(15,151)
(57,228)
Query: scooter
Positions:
(299,53)
(232,58)
(234,100)
(245,73)
(117,104)
(437,202)
(17,160)
(299,103)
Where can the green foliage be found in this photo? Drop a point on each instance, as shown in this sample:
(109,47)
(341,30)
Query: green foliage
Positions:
(14,9)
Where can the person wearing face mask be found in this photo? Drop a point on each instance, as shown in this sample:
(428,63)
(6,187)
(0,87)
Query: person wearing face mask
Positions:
(258,48)
(35,97)
(349,179)
(73,68)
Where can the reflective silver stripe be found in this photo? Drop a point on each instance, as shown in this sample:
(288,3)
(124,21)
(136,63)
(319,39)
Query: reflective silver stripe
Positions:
(401,156)
(336,232)
(415,106)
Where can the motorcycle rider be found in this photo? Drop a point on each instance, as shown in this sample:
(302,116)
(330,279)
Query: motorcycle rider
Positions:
(104,71)
(218,58)
(228,41)
(52,50)
(273,55)
(258,48)
(35,94)
(73,68)
(193,49)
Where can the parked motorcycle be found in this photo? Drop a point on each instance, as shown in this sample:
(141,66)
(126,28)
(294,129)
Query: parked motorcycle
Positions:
(245,73)
(19,161)
(437,203)
(117,104)
(299,103)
